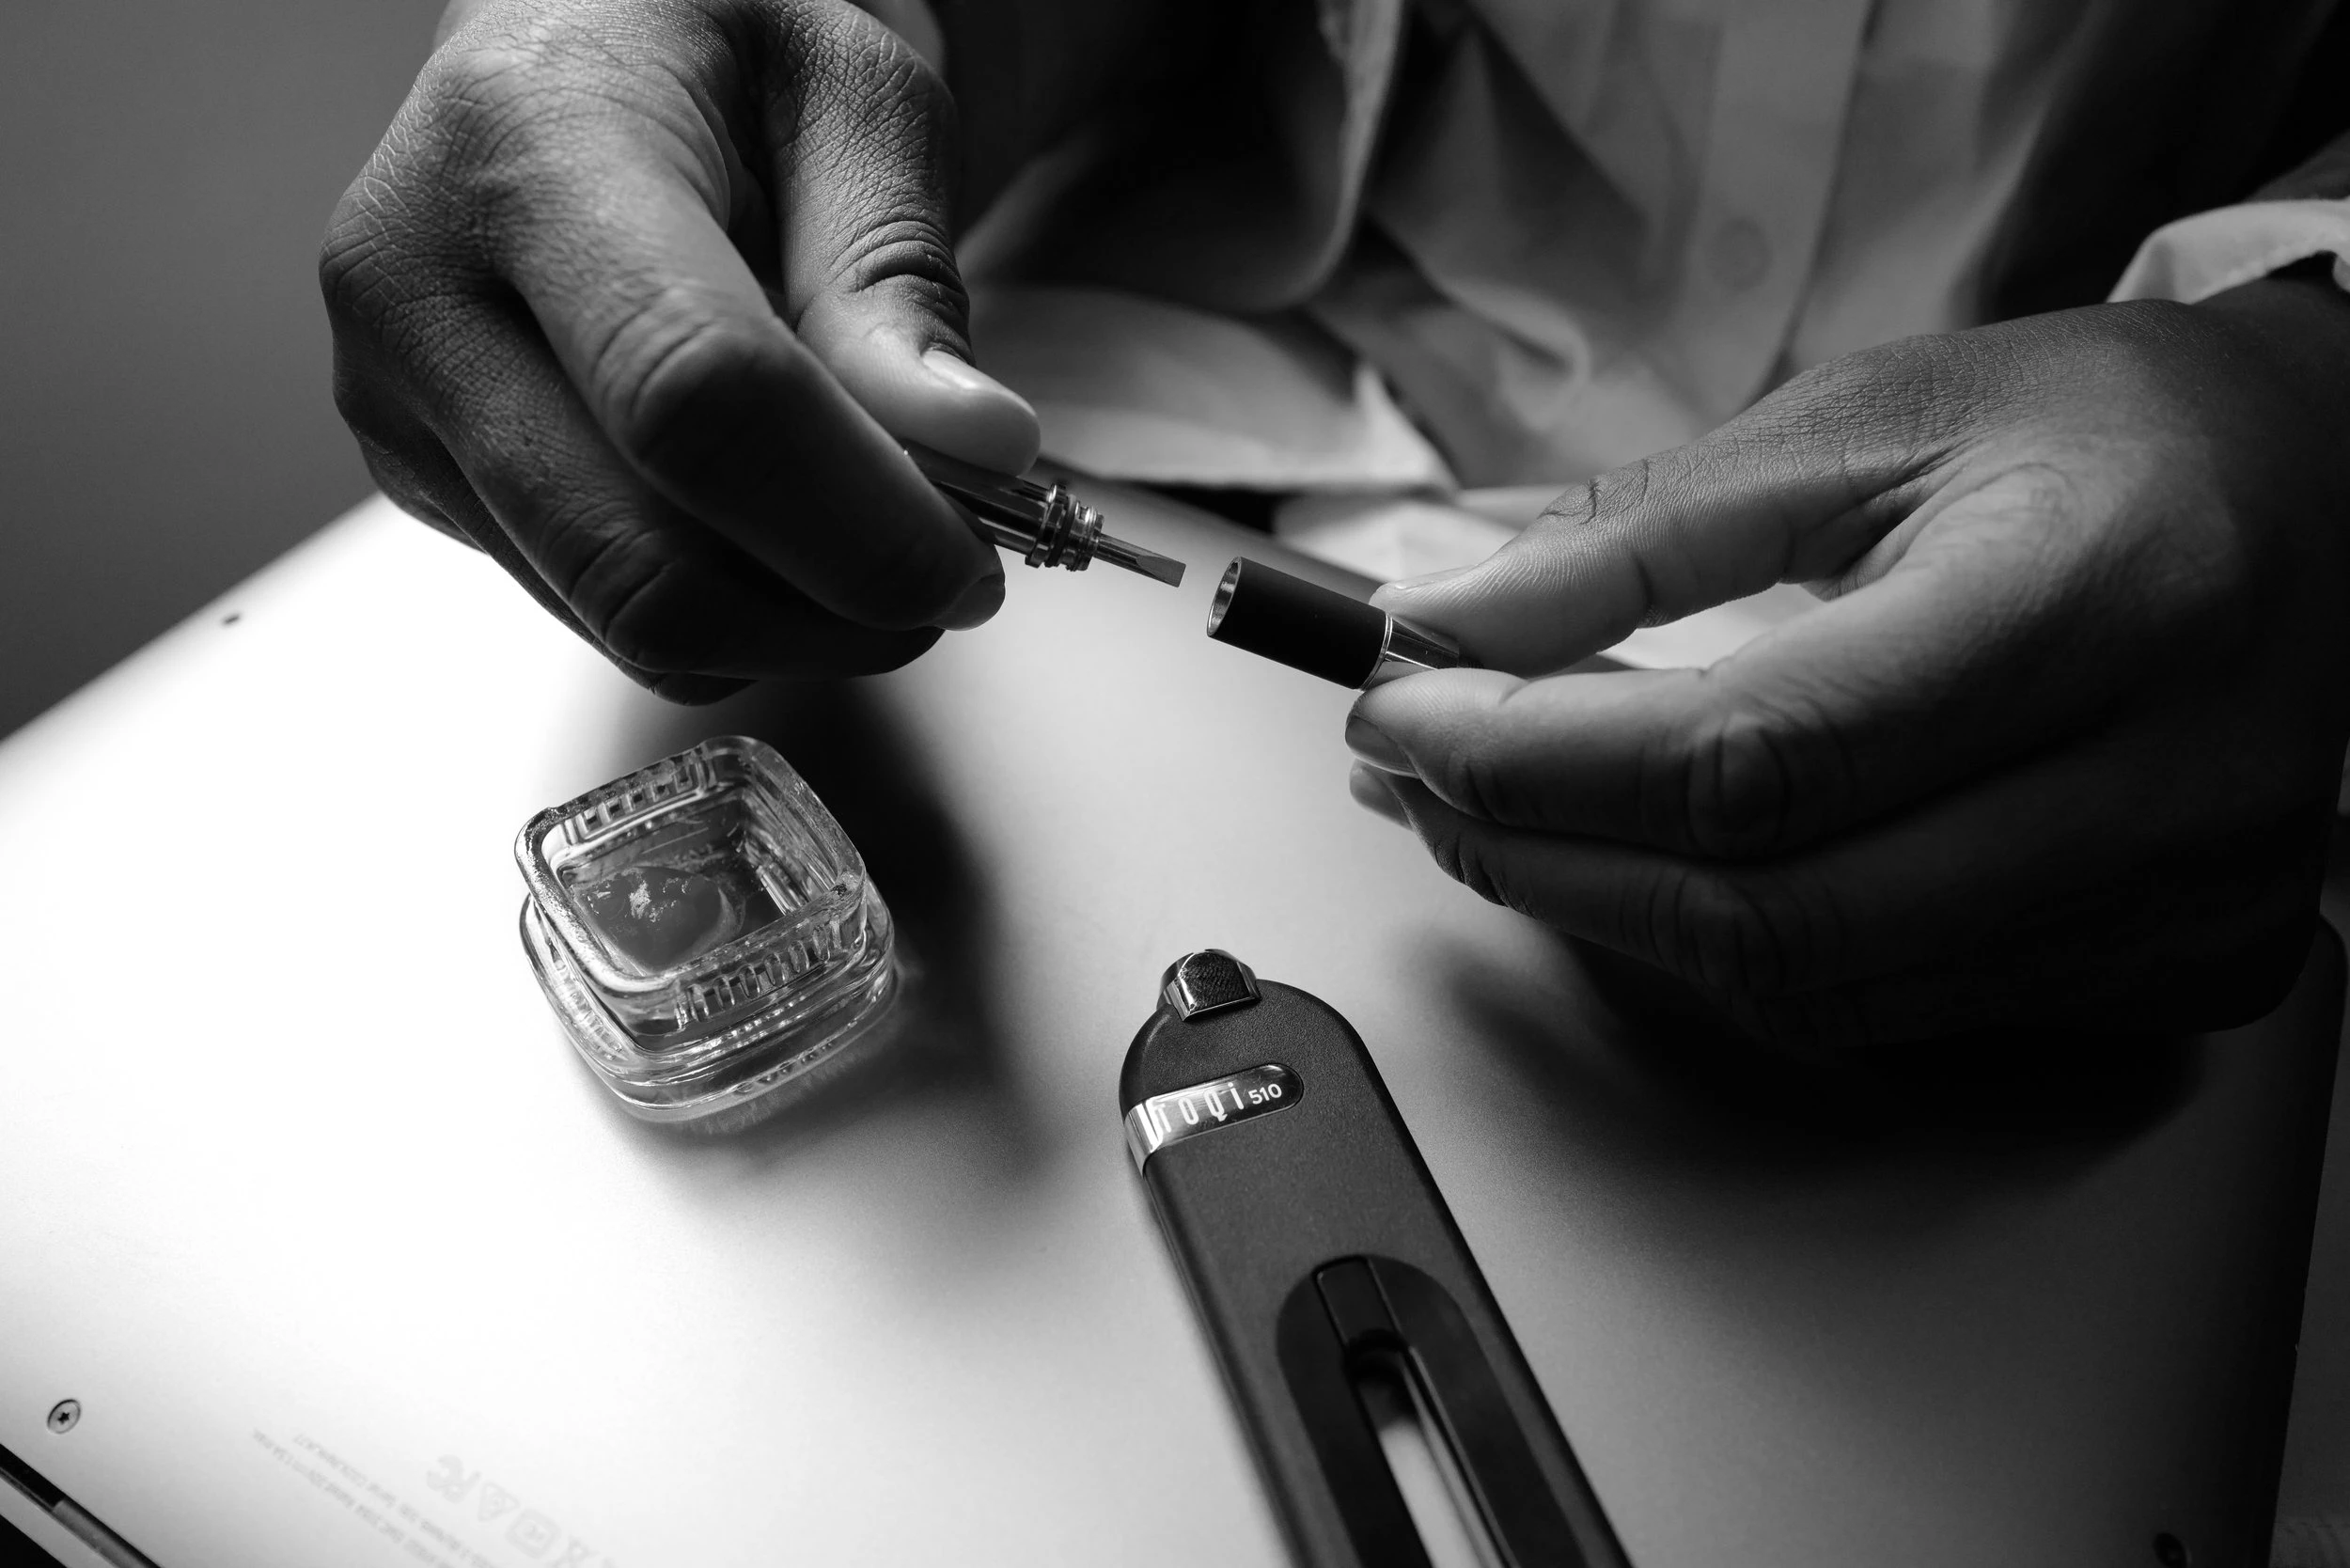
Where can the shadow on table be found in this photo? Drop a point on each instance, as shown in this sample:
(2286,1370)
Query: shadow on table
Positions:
(1632,1070)
(851,747)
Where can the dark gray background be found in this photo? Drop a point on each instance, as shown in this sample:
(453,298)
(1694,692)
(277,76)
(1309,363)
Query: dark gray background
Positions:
(166,426)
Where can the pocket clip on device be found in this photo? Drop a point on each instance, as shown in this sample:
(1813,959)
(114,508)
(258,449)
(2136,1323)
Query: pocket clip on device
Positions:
(1394,1420)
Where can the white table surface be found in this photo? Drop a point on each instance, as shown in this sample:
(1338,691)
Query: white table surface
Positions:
(303,1197)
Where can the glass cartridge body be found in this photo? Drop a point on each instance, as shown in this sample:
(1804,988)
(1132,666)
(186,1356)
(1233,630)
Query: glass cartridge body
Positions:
(707,933)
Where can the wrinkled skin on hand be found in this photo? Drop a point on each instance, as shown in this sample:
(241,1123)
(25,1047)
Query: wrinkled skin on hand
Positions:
(635,295)
(2062,746)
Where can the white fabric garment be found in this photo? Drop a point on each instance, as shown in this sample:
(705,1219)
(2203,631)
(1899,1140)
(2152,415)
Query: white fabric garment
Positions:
(2204,255)
(1141,388)
(1592,230)
(1600,227)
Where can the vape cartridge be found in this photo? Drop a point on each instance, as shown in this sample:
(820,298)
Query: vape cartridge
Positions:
(1044,524)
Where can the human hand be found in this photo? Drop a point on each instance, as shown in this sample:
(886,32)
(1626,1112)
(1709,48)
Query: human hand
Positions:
(2062,746)
(635,295)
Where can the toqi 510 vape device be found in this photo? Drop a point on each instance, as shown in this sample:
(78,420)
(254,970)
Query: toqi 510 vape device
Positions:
(1394,1420)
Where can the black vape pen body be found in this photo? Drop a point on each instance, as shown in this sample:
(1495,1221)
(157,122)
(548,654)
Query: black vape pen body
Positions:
(1315,1245)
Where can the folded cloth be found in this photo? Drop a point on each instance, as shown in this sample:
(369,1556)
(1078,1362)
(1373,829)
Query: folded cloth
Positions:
(2207,253)
(1149,390)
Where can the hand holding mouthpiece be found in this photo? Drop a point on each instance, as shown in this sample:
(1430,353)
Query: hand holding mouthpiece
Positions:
(1320,631)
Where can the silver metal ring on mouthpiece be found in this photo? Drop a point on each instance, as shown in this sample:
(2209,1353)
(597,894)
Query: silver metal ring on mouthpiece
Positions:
(1224,595)
(1407,650)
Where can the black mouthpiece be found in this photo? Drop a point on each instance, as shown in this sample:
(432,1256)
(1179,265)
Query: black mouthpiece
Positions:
(1297,623)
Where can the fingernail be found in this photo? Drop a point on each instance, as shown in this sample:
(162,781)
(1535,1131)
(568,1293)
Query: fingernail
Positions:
(980,601)
(964,376)
(1430,579)
(1371,743)
(1374,794)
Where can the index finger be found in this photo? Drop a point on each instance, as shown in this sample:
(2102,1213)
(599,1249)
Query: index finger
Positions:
(1791,490)
(1960,659)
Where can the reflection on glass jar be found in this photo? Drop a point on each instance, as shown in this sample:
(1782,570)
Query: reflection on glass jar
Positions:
(706,934)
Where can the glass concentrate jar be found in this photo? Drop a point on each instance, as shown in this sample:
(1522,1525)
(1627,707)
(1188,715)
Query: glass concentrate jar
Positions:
(707,933)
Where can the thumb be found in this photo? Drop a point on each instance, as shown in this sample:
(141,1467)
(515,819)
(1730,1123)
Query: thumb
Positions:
(864,156)
(1792,490)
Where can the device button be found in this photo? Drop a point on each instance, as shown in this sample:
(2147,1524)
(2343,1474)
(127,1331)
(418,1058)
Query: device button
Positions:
(1206,981)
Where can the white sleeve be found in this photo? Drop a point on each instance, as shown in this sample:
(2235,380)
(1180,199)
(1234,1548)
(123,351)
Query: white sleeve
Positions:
(2200,256)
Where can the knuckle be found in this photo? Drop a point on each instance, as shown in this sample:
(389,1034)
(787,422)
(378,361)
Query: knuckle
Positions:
(900,96)
(673,382)
(1607,497)
(655,626)
(492,118)
(885,79)
(1568,512)
(1747,938)
(401,237)
(906,250)
(358,398)
(872,123)
(1623,491)
(848,95)
(636,598)
(385,247)
(405,489)
(1595,525)
(1897,404)
(1750,779)
(1701,926)
(1907,386)
(354,278)
(1475,782)
(1467,858)
(475,95)
(400,470)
